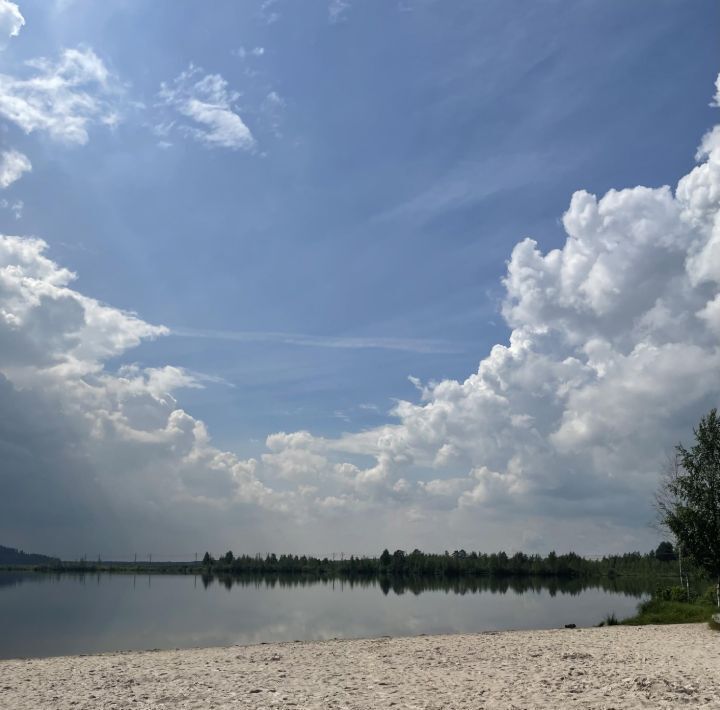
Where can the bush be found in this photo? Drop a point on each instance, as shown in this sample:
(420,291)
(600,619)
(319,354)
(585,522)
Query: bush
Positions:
(675,594)
(708,597)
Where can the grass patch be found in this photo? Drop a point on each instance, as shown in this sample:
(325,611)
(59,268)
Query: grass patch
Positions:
(609,620)
(658,611)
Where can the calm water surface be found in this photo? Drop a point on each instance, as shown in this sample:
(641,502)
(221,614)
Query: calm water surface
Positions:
(45,615)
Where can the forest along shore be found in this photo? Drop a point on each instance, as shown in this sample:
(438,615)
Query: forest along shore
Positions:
(619,667)
(661,562)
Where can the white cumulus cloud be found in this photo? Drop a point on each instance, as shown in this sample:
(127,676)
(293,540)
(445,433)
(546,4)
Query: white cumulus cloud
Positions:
(13,164)
(75,435)
(11,20)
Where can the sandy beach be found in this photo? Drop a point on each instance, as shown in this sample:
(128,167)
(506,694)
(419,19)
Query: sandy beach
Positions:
(614,667)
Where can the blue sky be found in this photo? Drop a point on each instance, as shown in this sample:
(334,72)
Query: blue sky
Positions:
(359,234)
(417,143)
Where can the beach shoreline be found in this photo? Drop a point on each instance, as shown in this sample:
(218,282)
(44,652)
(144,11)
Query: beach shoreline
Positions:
(609,667)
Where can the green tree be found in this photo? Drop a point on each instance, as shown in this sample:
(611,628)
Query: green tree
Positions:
(689,498)
(398,562)
(665,551)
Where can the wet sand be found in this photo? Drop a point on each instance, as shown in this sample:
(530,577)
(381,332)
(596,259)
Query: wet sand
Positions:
(612,667)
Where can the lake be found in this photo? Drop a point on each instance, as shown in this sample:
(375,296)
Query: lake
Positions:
(57,614)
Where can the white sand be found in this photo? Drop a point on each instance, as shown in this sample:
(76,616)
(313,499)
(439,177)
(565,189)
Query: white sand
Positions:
(615,667)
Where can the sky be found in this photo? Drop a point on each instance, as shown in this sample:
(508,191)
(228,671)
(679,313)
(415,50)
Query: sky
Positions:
(342,275)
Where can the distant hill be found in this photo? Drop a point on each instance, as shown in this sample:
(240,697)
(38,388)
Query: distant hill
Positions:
(11,556)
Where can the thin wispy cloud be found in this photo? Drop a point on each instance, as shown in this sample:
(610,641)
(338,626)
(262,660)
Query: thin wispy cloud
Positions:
(15,206)
(211,105)
(243,52)
(416,345)
(268,12)
(272,108)
(469,183)
(337,10)
(61,98)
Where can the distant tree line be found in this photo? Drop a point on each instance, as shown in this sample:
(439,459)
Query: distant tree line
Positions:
(406,569)
(11,556)
(449,565)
